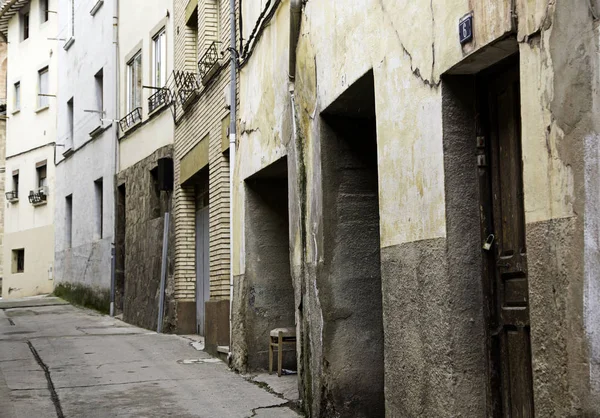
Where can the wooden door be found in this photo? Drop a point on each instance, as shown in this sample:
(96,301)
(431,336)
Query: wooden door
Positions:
(505,275)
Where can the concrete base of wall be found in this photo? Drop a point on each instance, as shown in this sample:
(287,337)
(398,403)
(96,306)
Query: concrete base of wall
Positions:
(216,326)
(83,295)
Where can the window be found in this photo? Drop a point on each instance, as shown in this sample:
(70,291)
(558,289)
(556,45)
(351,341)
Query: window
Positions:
(18,261)
(69,221)
(17,96)
(44,7)
(15,181)
(70,116)
(134,82)
(191,41)
(41,172)
(43,81)
(99,82)
(159,59)
(71,20)
(98,189)
(25,26)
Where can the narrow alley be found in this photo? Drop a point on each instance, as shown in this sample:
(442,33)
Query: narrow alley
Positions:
(57,360)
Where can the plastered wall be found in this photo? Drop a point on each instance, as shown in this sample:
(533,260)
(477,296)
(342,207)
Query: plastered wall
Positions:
(410,46)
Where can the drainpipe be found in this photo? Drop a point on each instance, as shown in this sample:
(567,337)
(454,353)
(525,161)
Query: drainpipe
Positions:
(116,155)
(232,149)
(295,16)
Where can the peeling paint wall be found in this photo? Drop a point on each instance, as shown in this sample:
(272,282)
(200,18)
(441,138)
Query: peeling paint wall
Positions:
(410,46)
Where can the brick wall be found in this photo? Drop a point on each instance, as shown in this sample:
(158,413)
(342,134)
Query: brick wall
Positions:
(203,118)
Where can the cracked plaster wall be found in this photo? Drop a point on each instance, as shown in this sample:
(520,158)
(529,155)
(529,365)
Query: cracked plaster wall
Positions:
(409,45)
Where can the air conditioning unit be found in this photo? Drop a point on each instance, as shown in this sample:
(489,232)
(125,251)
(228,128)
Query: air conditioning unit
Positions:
(43,190)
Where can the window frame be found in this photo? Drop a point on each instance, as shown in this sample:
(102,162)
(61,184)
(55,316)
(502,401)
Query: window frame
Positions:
(71,123)
(134,91)
(18,262)
(17,96)
(99,208)
(44,8)
(159,59)
(25,28)
(41,169)
(99,89)
(69,221)
(43,101)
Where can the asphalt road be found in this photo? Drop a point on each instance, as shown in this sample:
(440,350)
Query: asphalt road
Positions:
(63,361)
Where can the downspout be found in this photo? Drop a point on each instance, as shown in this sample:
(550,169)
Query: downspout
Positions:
(116,155)
(232,149)
(295,16)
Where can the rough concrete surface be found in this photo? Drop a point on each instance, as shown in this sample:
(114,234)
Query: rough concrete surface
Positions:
(101,367)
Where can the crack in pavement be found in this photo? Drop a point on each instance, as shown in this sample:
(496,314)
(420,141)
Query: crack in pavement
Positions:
(53,394)
(288,404)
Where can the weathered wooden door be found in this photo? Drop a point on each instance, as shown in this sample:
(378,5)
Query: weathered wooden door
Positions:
(503,216)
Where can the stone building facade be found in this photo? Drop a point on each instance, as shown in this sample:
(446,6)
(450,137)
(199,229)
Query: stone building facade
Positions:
(201,204)
(146,54)
(31,74)
(402,140)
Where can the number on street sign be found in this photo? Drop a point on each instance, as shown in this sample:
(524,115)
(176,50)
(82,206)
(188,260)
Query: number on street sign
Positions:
(465,29)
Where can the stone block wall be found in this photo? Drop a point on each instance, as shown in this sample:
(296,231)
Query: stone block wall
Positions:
(144,209)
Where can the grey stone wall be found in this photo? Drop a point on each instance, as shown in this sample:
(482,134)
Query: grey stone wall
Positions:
(143,209)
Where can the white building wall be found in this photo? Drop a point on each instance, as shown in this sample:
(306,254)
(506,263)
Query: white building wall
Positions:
(31,136)
(136,31)
(88,259)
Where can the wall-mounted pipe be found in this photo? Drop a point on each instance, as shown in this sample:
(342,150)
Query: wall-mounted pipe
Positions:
(113,269)
(232,149)
(295,16)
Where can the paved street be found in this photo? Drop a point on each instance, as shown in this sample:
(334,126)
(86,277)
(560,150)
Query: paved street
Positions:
(61,360)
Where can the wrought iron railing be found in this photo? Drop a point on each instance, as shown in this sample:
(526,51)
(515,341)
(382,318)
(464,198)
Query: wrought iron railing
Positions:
(38,196)
(160,98)
(131,119)
(187,85)
(12,196)
(209,61)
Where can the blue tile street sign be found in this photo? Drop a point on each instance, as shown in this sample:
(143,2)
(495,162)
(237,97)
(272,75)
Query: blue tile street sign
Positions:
(465,29)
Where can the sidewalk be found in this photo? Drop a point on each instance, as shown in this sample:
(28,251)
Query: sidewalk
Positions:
(66,361)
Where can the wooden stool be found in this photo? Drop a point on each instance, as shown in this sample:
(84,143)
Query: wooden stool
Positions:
(277,338)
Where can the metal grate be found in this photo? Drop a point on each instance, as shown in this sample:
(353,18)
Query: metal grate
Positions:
(131,119)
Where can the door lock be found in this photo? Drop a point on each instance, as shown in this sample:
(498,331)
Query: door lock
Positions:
(487,245)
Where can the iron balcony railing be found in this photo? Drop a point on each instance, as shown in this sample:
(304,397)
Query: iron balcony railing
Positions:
(160,98)
(131,119)
(209,63)
(12,196)
(187,86)
(39,196)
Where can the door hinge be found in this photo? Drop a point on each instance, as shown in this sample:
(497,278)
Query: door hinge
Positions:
(481,160)
(481,142)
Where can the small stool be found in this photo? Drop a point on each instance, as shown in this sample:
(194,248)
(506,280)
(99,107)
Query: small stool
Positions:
(277,338)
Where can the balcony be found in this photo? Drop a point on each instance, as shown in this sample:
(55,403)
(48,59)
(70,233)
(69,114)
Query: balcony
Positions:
(131,119)
(161,98)
(209,64)
(187,87)
(12,197)
(38,197)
